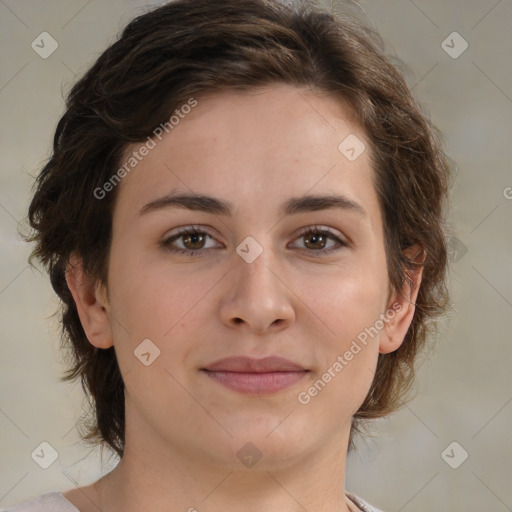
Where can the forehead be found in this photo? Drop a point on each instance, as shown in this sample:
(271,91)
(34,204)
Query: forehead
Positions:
(255,146)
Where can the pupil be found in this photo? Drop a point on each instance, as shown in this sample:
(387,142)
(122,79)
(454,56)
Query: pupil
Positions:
(194,238)
(314,239)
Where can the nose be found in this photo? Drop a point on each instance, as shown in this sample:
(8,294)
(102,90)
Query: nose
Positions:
(257,297)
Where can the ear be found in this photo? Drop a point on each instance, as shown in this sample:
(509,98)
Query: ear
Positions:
(91,304)
(401,305)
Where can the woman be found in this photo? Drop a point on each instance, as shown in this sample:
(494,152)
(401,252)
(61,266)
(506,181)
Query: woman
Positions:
(243,217)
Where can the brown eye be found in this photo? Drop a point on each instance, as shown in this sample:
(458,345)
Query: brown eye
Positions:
(315,240)
(194,241)
(321,241)
(189,241)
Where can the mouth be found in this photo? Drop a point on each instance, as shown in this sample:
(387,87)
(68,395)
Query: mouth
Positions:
(255,376)
(257,382)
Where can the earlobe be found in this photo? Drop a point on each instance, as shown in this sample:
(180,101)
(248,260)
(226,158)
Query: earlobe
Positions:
(402,305)
(91,304)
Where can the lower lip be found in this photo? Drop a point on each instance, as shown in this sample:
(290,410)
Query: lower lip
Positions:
(257,383)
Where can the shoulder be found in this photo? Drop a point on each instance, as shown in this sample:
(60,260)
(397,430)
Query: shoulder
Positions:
(51,501)
(362,504)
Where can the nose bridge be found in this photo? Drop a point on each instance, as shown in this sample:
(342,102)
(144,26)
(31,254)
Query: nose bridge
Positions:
(256,294)
(254,269)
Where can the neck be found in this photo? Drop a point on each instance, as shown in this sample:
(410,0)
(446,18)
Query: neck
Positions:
(154,477)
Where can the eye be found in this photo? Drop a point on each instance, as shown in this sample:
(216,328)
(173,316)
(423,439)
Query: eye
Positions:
(317,239)
(193,241)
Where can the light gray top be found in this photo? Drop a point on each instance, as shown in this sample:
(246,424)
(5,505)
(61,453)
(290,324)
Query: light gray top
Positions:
(54,501)
(51,501)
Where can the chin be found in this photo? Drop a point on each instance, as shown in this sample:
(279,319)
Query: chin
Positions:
(264,447)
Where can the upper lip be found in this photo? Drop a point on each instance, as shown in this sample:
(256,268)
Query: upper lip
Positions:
(253,365)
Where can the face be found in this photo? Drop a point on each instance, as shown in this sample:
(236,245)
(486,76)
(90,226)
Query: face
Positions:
(258,270)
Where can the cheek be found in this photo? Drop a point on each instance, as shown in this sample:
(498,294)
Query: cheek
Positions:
(152,297)
(351,306)
(347,357)
(154,302)
(350,301)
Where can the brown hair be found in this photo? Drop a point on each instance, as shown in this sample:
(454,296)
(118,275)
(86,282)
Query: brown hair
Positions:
(187,48)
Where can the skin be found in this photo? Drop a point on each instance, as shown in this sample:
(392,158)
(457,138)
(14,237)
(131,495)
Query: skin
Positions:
(256,150)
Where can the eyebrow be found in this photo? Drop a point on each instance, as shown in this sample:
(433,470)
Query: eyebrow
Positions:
(207,204)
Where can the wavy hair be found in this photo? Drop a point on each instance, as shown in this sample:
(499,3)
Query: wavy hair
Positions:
(188,48)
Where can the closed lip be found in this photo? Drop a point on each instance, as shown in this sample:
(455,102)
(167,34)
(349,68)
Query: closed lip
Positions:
(247,364)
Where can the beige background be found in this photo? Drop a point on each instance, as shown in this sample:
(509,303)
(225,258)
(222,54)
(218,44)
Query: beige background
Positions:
(464,386)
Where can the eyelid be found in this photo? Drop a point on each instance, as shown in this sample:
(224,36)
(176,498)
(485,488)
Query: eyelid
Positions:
(318,228)
(179,232)
(339,238)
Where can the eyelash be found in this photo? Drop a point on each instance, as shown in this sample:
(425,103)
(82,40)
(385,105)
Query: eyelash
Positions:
(315,230)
